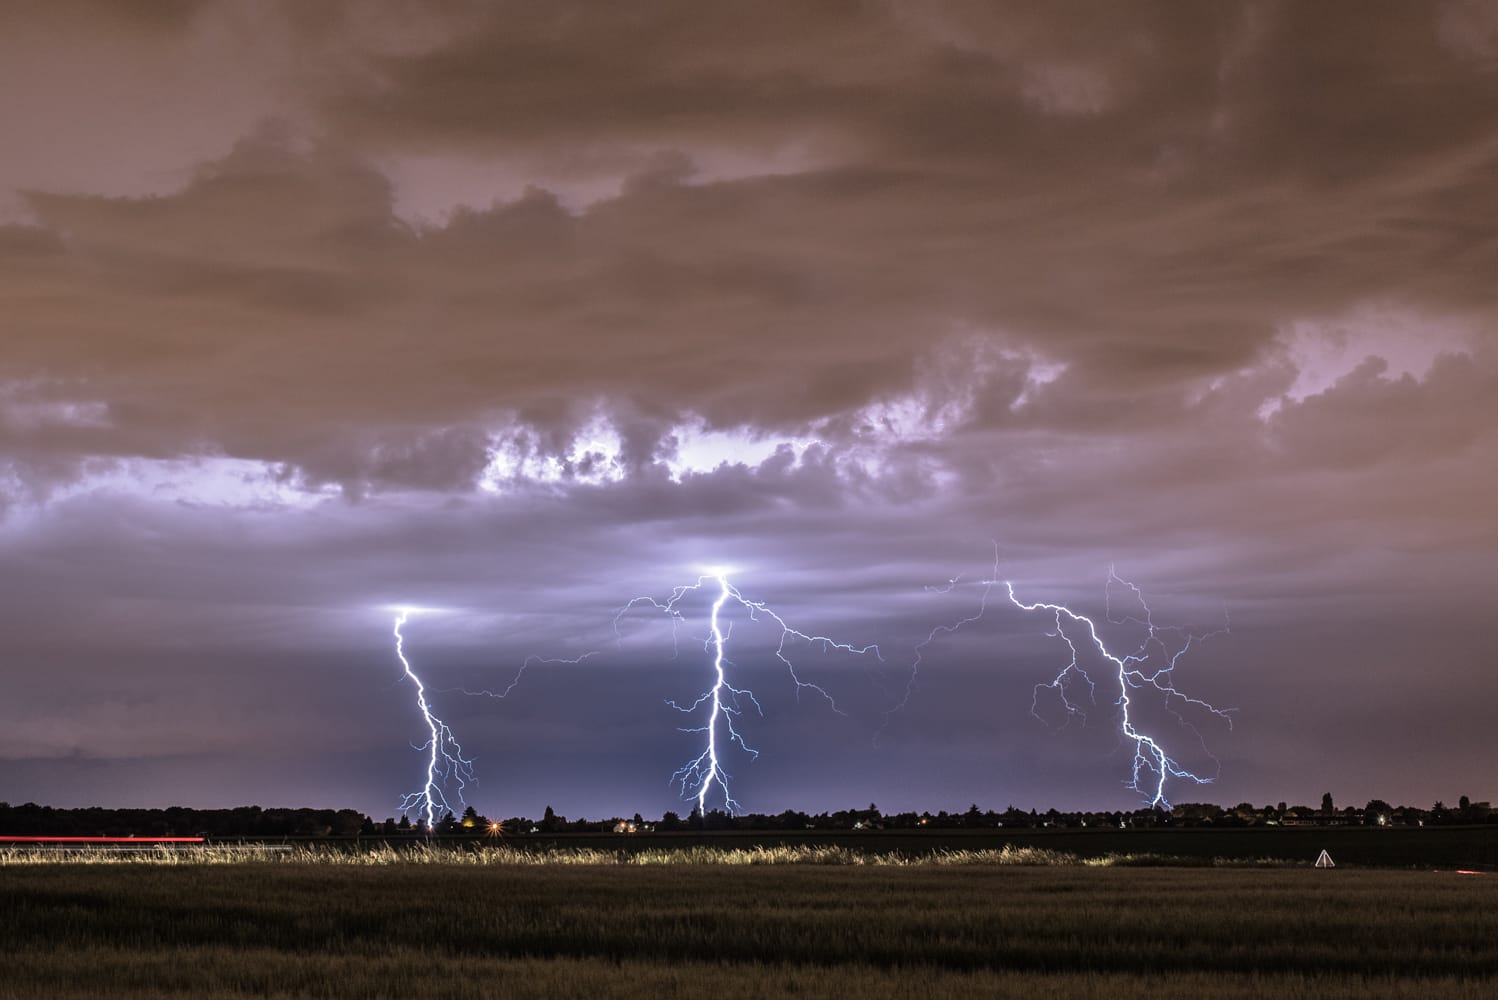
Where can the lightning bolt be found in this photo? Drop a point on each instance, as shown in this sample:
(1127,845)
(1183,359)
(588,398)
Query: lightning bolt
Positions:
(1152,765)
(723,701)
(514,682)
(445,761)
(919,657)
(1151,664)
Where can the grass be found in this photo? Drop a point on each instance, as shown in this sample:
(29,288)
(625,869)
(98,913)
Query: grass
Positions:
(1394,847)
(745,922)
(506,856)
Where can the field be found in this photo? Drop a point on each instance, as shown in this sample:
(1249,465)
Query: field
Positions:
(1391,847)
(811,920)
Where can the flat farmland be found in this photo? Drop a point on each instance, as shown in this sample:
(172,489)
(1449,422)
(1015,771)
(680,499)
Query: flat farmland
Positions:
(1386,847)
(462,929)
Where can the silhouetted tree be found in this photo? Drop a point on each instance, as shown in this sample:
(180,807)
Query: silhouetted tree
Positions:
(550,822)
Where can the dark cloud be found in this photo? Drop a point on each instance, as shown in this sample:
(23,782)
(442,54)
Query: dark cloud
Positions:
(168,16)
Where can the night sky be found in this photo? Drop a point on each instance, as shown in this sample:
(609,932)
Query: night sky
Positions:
(514,312)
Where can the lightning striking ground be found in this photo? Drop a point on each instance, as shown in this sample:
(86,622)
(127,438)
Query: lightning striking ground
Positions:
(723,701)
(445,761)
(1153,765)
(1150,665)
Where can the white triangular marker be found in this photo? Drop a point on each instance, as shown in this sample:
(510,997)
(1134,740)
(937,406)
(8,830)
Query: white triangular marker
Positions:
(1325,861)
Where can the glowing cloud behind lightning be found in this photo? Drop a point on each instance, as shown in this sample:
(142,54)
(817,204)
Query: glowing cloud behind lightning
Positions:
(1150,665)
(723,702)
(445,761)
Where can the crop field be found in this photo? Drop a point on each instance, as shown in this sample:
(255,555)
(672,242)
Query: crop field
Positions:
(1395,847)
(757,921)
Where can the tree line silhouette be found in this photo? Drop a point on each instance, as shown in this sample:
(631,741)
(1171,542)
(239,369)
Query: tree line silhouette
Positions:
(255,822)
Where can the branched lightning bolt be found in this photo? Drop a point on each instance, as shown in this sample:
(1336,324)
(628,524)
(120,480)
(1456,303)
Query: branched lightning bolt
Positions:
(912,682)
(1152,764)
(445,761)
(514,682)
(724,701)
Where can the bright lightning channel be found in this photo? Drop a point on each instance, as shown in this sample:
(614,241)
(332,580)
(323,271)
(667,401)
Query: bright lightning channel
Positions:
(445,761)
(1153,765)
(1151,665)
(724,701)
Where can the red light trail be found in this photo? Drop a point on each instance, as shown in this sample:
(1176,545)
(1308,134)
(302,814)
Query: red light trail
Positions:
(102,840)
